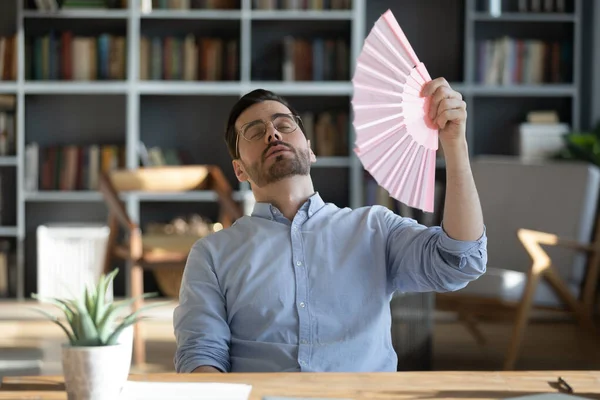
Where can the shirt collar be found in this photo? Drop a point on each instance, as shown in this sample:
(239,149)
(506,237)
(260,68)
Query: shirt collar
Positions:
(267,210)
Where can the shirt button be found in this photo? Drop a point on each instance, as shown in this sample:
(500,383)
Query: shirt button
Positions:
(303,363)
(302,304)
(303,342)
(298,263)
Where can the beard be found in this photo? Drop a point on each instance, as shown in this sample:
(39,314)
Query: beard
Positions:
(282,166)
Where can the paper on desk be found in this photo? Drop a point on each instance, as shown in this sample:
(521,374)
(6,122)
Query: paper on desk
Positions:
(135,390)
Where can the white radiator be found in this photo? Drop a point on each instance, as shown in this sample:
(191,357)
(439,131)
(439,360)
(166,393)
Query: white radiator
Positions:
(69,257)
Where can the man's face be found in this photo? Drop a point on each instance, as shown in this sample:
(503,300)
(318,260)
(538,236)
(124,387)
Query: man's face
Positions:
(275,155)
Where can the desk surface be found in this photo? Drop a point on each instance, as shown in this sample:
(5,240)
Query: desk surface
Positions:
(380,386)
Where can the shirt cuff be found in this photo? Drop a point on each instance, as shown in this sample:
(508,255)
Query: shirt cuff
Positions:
(461,247)
(194,363)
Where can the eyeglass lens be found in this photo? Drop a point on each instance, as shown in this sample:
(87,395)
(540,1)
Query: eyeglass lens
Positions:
(283,124)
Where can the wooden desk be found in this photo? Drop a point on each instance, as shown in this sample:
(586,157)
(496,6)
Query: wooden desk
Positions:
(380,386)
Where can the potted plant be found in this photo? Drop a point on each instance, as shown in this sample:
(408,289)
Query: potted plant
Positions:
(97,358)
(582,146)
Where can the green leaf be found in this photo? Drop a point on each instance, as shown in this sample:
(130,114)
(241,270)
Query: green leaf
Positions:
(89,302)
(112,339)
(54,319)
(105,325)
(87,329)
(65,306)
(103,284)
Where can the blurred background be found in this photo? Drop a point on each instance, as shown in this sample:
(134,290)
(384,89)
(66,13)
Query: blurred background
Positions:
(104,85)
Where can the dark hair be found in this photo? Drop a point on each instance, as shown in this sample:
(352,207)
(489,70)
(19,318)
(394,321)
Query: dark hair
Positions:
(249,99)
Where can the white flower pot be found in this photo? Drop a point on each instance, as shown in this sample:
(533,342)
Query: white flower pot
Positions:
(97,372)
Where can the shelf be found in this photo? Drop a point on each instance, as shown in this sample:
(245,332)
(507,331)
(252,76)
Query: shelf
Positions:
(8,231)
(237,88)
(524,17)
(189,88)
(63,196)
(193,14)
(10,161)
(198,195)
(91,196)
(310,88)
(301,15)
(71,87)
(8,87)
(332,162)
(84,14)
(545,90)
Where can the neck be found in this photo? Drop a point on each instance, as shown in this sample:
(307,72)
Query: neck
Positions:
(287,195)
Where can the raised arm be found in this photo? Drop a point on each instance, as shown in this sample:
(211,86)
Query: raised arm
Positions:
(463,218)
(200,319)
(442,258)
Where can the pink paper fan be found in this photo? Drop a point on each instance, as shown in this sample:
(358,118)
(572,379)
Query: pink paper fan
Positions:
(396,141)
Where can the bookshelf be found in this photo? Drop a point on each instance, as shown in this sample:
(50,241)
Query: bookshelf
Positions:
(134,106)
(120,99)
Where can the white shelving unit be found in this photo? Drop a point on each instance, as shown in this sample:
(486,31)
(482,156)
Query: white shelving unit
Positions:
(131,109)
(193,113)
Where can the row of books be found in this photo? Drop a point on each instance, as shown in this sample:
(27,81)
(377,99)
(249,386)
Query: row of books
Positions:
(7,258)
(315,59)
(189,58)
(507,61)
(327,132)
(149,5)
(8,58)
(55,5)
(526,6)
(8,125)
(302,4)
(66,56)
(70,167)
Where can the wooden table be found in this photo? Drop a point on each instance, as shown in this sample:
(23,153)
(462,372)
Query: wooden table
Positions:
(380,386)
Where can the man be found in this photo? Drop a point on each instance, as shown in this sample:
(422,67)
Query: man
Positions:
(302,285)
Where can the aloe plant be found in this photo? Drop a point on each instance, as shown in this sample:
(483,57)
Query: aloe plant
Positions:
(91,319)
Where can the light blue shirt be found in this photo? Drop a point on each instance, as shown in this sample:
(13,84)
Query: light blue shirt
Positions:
(312,294)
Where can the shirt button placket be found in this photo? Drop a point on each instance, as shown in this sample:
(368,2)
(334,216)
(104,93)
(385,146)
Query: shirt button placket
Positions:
(301,290)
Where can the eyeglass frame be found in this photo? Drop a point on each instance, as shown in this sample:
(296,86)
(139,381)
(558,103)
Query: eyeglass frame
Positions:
(239,133)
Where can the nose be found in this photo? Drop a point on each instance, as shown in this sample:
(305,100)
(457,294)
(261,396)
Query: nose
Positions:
(271,133)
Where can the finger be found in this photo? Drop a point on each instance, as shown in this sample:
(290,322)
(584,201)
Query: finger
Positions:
(430,87)
(448,104)
(455,114)
(443,92)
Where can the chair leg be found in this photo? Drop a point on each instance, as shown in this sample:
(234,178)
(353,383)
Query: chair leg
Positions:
(583,315)
(137,289)
(521,320)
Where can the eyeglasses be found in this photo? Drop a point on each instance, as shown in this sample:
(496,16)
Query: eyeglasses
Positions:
(256,130)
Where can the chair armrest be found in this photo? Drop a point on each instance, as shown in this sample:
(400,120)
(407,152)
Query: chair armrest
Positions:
(533,240)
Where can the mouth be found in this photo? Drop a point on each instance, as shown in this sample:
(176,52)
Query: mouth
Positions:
(277,149)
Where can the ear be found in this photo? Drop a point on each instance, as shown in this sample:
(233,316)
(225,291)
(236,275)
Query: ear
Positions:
(313,158)
(240,173)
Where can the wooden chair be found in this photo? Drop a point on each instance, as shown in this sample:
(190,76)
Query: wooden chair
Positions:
(527,206)
(143,252)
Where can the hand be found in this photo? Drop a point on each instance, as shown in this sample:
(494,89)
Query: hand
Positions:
(447,110)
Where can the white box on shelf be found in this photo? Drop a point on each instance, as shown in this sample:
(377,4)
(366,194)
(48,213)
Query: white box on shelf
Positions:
(69,257)
(540,141)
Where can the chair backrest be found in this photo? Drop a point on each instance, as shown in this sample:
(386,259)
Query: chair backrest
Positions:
(558,197)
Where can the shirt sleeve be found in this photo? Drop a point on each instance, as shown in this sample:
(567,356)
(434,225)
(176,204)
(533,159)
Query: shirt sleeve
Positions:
(421,258)
(200,319)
